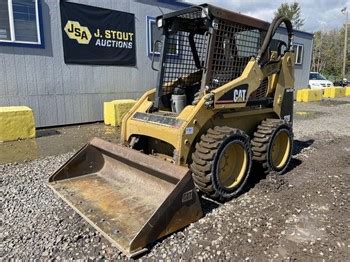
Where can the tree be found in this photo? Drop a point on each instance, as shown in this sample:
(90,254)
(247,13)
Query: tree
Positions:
(327,55)
(293,12)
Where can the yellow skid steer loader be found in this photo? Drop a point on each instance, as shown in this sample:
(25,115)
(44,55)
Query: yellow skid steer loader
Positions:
(223,100)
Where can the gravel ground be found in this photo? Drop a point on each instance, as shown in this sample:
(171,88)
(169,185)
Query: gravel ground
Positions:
(331,116)
(303,214)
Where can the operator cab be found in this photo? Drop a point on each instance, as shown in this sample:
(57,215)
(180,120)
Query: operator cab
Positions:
(204,47)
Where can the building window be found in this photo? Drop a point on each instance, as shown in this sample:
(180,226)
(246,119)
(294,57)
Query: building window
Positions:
(299,51)
(20,22)
(154,34)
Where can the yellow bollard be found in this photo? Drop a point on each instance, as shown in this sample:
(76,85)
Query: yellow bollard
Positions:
(312,95)
(309,95)
(17,122)
(115,110)
(347,91)
(333,92)
(300,95)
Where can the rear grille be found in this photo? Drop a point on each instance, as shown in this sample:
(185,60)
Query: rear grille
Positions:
(234,45)
(260,92)
(192,15)
(224,49)
(179,65)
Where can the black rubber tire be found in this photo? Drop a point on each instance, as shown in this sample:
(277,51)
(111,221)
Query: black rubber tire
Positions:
(206,158)
(262,143)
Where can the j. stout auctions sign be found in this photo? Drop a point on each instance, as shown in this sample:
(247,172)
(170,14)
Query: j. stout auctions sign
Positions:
(97,36)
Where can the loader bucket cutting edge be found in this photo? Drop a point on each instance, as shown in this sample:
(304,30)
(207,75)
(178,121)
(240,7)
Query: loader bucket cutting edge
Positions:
(133,199)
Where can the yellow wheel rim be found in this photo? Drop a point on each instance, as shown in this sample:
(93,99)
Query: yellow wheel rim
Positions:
(280,149)
(232,165)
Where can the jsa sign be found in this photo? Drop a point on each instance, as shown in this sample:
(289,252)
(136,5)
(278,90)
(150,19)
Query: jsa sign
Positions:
(97,36)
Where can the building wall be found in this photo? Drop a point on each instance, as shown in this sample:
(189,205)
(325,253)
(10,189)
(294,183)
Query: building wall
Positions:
(64,94)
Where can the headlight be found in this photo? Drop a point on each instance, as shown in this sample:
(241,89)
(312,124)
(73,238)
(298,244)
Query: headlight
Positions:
(160,22)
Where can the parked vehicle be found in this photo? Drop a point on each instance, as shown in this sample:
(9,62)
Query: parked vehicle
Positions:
(343,82)
(318,81)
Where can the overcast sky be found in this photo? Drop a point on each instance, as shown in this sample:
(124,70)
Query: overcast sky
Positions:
(318,14)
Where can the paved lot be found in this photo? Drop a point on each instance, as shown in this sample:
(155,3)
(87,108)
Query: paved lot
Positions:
(303,214)
(55,141)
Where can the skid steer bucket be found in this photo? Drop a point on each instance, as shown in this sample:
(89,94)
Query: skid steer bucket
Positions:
(133,199)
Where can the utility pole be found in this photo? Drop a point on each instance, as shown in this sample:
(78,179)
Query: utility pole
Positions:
(346,13)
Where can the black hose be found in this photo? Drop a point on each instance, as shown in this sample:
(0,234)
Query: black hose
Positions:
(277,21)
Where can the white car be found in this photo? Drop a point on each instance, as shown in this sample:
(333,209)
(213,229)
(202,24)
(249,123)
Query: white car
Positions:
(318,81)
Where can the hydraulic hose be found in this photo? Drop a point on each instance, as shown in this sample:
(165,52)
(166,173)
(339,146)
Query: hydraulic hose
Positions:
(277,21)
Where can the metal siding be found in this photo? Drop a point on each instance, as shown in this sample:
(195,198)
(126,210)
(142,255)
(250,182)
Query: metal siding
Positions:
(3,78)
(65,94)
